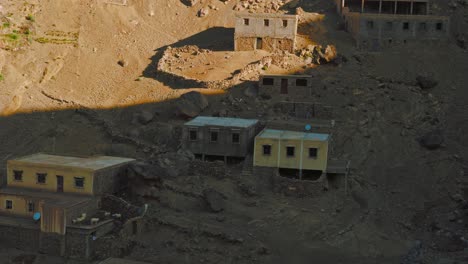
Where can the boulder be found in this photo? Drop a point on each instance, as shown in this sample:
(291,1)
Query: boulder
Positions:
(426,82)
(122,63)
(191,104)
(203,12)
(190,2)
(431,140)
(214,200)
(251,91)
(144,117)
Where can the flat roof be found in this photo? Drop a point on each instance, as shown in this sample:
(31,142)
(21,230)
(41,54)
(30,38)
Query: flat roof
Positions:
(221,121)
(62,200)
(270,15)
(92,163)
(286,75)
(286,134)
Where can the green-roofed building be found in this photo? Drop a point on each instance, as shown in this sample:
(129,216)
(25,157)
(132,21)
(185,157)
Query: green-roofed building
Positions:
(219,136)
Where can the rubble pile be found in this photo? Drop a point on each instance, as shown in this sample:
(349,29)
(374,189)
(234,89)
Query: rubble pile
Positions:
(317,54)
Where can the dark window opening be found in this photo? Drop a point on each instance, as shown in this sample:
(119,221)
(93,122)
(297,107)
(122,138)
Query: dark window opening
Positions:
(439,26)
(41,177)
(18,175)
(268,81)
(79,182)
(370,24)
(285,23)
(266,150)
(193,135)
(290,151)
(301,82)
(406,25)
(246,21)
(214,136)
(266,22)
(390,41)
(30,206)
(9,204)
(235,138)
(313,153)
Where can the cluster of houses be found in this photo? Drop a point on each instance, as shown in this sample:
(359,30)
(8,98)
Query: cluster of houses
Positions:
(50,202)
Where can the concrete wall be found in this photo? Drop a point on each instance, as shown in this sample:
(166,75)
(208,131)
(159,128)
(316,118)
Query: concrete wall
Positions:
(293,91)
(30,178)
(279,158)
(108,180)
(224,145)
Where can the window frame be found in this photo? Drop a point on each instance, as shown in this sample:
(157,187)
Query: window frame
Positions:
(293,151)
(195,130)
(268,78)
(246,21)
(9,204)
(406,26)
(39,174)
(264,147)
(439,26)
(20,172)
(31,206)
(79,178)
(316,153)
(214,130)
(235,132)
(299,81)
(285,23)
(266,22)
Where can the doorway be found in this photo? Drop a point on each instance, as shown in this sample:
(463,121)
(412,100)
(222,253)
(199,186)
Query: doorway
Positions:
(59,183)
(284,86)
(259,43)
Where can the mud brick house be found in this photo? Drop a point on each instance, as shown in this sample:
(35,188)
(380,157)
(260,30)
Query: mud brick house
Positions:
(219,136)
(61,193)
(292,86)
(270,32)
(380,23)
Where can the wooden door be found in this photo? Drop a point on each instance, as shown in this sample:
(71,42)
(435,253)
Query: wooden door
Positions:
(59,183)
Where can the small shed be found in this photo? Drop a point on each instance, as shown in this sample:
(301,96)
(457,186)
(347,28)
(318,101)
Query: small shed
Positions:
(294,150)
(219,136)
(296,86)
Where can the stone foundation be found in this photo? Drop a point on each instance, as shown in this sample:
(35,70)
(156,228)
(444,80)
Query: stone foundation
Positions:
(268,44)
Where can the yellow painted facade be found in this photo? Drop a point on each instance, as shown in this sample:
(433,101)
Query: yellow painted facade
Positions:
(278,142)
(20,205)
(29,178)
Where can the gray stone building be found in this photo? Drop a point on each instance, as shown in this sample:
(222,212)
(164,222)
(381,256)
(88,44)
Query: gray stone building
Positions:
(269,32)
(219,136)
(286,86)
(376,24)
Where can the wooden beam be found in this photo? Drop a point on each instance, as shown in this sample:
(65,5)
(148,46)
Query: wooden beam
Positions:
(380,6)
(362,6)
(396,7)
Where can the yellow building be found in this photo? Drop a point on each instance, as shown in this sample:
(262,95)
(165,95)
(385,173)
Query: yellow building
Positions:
(61,189)
(294,150)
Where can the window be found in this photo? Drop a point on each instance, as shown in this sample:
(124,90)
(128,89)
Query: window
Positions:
(422,26)
(389,26)
(79,182)
(246,21)
(267,150)
(41,177)
(370,24)
(193,135)
(313,153)
(30,206)
(268,81)
(8,204)
(301,82)
(290,151)
(405,25)
(235,138)
(17,175)
(285,23)
(266,22)
(439,26)
(214,136)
